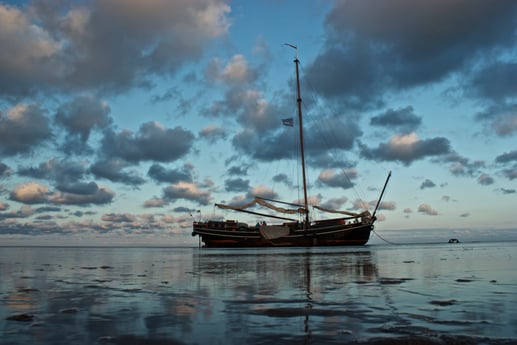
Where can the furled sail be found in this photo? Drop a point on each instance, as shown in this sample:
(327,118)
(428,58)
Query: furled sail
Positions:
(352,214)
(264,203)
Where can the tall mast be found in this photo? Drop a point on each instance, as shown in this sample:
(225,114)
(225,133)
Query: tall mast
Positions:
(300,128)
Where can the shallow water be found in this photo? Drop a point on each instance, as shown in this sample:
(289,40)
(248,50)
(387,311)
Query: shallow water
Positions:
(463,293)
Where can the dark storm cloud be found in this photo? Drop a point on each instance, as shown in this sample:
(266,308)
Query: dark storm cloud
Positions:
(22,129)
(396,44)
(236,185)
(407,149)
(161,174)
(403,119)
(152,142)
(108,45)
(115,170)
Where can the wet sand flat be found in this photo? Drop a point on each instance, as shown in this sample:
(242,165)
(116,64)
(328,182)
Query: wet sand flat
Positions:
(376,294)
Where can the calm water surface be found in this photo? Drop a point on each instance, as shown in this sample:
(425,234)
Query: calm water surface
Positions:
(258,296)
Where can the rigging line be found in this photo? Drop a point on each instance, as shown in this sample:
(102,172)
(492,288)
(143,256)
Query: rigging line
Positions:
(385,240)
(331,133)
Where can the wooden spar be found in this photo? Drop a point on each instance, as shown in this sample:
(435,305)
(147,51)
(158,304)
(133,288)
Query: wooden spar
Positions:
(300,126)
(382,193)
(265,215)
(279,201)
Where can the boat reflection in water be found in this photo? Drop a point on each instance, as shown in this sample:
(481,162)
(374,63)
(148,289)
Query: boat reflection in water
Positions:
(287,296)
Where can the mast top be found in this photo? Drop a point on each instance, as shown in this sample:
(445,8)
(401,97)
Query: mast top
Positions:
(294,47)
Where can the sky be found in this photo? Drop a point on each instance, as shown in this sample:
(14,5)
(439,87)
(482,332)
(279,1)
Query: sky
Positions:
(122,121)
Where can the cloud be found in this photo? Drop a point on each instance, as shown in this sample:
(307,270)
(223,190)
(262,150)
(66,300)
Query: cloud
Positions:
(234,71)
(501,118)
(485,180)
(407,148)
(427,184)
(79,117)
(508,191)
(461,166)
(94,194)
(118,217)
(155,202)
(418,43)
(402,119)
(187,191)
(507,157)
(427,209)
(213,134)
(30,193)
(343,179)
(263,192)
(109,45)
(385,205)
(161,174)
(335,203)
(236,185)
(23,128)
(3,206)
(495,82)
(5,170)
(148,143)
(511,173)
(113,170)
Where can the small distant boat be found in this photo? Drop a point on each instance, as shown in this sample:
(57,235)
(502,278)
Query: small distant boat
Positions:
(454,240)
(348,229)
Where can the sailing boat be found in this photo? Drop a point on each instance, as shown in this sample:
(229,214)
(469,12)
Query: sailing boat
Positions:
(348,229)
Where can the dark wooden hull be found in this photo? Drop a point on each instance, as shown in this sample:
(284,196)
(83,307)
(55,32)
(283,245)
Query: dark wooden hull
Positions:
(355,234)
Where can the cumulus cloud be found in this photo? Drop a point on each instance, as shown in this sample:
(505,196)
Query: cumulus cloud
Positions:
(407,148)
(236,185)
(213,133)
(507,157)
(30,193)
(187,191)
(427,210)
(335,203)
(116,170)
(427,184)
(79,117)
(94,194)
(485,180)
(234,71)
(343,179)
(403,119)
(22,128)
(148,143)
(109,45)
(403,35)
(161,174)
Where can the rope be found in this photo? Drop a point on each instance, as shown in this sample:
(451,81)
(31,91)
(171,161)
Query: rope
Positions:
(385,240)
